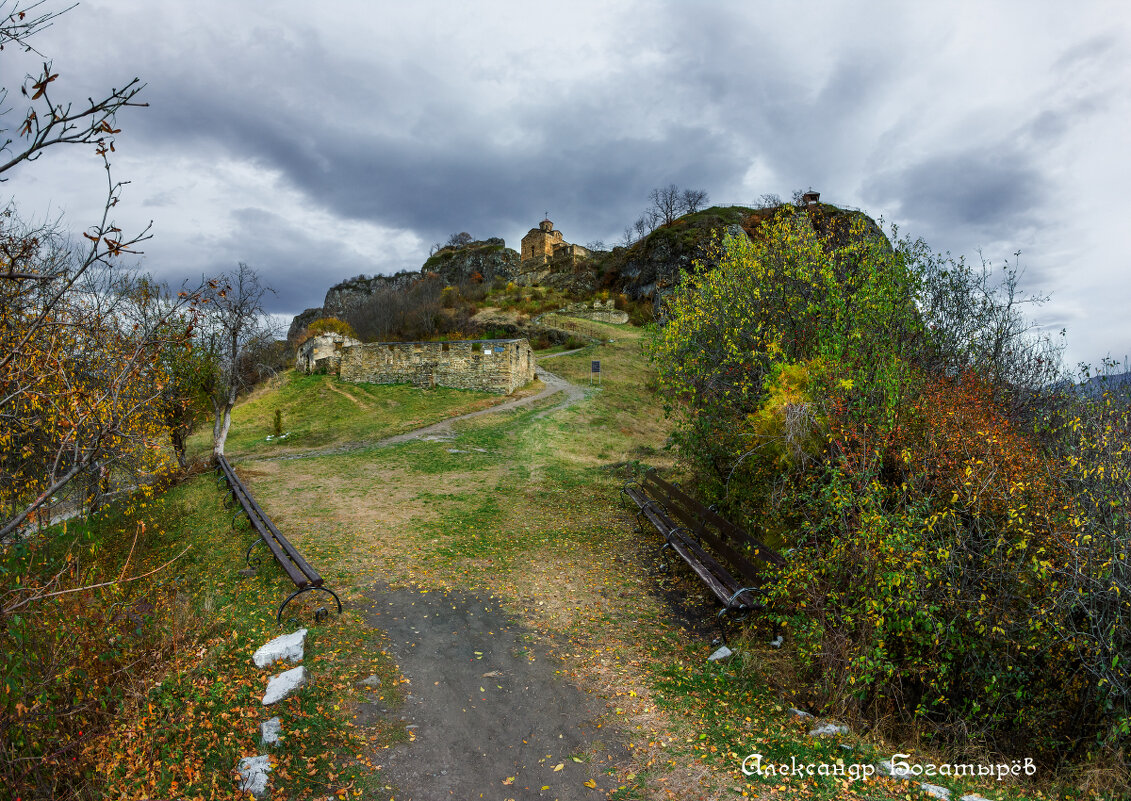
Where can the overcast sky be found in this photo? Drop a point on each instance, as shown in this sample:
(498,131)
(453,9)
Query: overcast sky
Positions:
(317,141)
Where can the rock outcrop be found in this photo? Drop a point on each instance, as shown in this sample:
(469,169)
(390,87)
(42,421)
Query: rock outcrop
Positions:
(354,291)
(651,268)
(484,260)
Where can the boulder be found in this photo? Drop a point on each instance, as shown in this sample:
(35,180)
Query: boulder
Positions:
(269,731)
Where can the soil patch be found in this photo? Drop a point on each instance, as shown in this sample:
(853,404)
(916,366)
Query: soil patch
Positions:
(487,708)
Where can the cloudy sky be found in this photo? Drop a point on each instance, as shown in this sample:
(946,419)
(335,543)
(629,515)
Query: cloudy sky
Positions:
(317,141)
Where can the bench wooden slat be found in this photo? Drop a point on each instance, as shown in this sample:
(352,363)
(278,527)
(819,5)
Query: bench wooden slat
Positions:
(687,526)
(725,586)
(296,567)
(739,535)
(748,570)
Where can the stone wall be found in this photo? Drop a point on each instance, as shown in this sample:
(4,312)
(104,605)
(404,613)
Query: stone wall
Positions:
(323,353)
(490,365)
(601,311)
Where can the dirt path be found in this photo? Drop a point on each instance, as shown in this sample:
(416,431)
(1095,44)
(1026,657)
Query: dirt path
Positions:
(443,429)
(489,715)
(510,589)
(360,404)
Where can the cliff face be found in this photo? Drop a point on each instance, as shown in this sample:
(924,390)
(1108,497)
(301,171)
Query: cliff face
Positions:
(488,259)
(343,296)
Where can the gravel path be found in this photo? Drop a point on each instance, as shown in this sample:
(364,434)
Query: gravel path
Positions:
(489,715)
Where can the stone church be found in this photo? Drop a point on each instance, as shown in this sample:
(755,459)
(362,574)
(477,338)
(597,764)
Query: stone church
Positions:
(543,245)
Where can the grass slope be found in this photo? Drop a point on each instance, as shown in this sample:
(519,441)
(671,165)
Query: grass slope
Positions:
(522,505)
(319,411)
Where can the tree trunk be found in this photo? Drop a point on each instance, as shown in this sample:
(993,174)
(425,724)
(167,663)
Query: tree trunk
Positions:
(178,434)
(223,423)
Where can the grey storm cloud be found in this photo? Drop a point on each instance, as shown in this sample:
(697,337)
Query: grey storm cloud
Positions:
(319,144)
(986,189)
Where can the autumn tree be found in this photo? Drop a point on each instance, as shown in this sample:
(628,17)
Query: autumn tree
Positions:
(72,368)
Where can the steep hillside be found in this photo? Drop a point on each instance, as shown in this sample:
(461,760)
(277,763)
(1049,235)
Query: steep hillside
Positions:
(650,268)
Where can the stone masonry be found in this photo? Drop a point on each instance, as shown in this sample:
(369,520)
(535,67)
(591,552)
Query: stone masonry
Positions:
(544,244)
(323,353)
(490,365)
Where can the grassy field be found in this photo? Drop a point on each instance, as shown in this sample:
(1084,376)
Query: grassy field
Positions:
(319,411)
(523,505)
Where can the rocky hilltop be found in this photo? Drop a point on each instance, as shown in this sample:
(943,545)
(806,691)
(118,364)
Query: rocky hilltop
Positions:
(650,268)
(647,270)
(485,260)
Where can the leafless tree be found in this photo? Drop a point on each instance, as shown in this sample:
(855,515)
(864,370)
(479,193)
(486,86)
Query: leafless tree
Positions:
(645,224)
(235,327)
(459,240)
(691,200)
(666,203)
(46,122)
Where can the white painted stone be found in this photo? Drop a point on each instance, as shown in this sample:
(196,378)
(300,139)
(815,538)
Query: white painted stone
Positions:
(936,791)
(721,654)
(253,775)
(886,768)
(284,684)
(285,646)
(269,731)
(828,728)
(372,681)
(801,713)
(777,641)
(973,797)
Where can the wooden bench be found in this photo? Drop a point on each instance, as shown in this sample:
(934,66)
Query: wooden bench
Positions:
(689,528)
(298,570)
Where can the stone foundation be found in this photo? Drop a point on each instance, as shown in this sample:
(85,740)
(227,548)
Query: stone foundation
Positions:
(490,365)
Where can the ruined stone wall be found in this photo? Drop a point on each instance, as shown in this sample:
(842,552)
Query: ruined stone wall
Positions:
(601,311)
(489,365)
(323,353)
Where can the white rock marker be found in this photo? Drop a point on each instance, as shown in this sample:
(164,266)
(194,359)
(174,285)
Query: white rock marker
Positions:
(285,646)
(828,728)
(720,654)
(284,684)
(253,775)
(936,791)
(269,731)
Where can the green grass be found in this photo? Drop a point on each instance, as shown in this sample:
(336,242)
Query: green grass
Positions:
(526,508)
(173,697)
(319,411)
